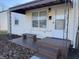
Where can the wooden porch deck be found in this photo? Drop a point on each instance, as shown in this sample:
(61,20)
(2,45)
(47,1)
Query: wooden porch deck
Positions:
(46,48)
(26,43)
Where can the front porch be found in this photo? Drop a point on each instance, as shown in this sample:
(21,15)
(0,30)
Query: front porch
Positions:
(49,48)
(37,20)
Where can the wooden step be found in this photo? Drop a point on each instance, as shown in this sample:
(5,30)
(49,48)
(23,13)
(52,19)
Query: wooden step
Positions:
(54,44)
(45,44)
(40,56)
(52,53)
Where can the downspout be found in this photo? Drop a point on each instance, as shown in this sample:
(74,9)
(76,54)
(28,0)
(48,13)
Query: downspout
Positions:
(66,17)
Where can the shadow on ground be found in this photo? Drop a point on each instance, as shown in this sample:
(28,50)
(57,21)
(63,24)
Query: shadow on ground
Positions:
(73,54)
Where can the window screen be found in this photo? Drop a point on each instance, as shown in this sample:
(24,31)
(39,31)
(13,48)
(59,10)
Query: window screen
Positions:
(59,24)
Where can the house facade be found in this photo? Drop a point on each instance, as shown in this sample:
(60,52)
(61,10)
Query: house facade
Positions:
(47,19)
(4,21)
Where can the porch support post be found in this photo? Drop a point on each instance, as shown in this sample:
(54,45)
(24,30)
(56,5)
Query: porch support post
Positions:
(9,24)
(75,24)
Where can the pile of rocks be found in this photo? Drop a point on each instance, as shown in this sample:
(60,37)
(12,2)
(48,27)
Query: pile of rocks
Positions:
(10,50)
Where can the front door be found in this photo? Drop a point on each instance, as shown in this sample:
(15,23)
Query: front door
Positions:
(58,23)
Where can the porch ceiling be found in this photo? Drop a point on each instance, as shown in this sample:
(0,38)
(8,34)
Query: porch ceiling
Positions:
(35,4)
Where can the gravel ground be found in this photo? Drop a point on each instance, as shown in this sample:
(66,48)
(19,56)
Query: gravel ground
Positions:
(10,50)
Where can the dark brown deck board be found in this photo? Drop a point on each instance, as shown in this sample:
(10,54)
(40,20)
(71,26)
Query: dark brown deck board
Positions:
(26,43)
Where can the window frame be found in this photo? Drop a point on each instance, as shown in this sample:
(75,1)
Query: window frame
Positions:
(34,20)
(16,22)
(39,18)
(63,24)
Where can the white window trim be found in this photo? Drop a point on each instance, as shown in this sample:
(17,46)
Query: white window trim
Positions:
(39,19)
(63,25)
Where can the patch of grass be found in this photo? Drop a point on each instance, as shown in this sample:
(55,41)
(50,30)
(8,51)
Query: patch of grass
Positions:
(3,35)
(3,32)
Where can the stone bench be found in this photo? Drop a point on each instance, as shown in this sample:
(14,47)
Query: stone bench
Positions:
(30,36)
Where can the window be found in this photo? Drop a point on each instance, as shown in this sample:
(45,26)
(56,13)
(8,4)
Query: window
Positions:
(16,22)
(39,19)
(35,19)
(42,23)
(42,19)
(59,24)
(35,23)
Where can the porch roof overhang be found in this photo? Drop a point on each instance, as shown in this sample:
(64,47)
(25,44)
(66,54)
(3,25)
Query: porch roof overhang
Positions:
(36,4)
